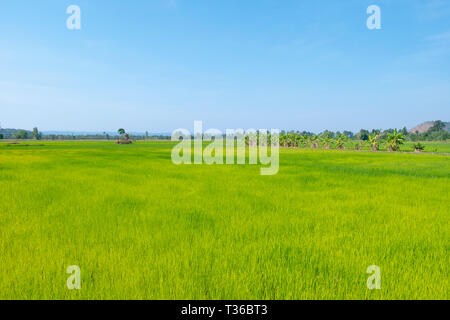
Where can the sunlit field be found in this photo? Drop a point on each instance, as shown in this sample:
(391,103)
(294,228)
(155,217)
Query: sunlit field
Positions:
(141,227)
(430,146)
(408,146)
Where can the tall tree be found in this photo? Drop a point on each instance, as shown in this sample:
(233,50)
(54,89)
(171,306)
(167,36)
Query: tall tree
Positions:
(349,134)
(404,131)
(438,126)
(363,134)
(36,134)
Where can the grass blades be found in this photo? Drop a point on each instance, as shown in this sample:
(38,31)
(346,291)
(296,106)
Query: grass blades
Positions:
(141,227)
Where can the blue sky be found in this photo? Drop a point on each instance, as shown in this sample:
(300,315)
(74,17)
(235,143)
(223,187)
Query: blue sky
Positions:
(158,65)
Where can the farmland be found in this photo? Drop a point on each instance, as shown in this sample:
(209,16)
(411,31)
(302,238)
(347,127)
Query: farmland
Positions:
(141,227)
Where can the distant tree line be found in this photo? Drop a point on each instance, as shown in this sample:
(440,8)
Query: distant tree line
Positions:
(15,134)
(437,132)
(103,137)
(37,135)
(328,140)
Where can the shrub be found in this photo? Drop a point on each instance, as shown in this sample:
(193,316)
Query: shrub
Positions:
(418,147)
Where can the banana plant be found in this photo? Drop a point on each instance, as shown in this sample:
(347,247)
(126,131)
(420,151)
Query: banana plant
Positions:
(325,141)
(358,145)
(394,140)
(374,142)
(282,139)
(314,141)
(302,140)
(341,140)
(418,147)
(291,139)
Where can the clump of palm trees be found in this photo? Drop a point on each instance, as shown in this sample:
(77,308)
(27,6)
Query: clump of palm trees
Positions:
(327,140)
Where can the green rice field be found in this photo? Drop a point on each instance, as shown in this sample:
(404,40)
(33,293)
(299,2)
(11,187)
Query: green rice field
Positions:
(140,227)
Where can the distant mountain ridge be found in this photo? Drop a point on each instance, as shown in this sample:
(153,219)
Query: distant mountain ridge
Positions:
(424,127)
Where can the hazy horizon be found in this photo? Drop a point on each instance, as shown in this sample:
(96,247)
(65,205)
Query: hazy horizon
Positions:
(80,132)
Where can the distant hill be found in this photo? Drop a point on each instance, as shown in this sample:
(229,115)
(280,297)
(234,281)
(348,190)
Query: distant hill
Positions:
(8,133)
(424,127)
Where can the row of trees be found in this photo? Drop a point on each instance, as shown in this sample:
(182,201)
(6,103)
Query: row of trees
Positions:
(327,140)
(436,133)
(22,134)
(37,135)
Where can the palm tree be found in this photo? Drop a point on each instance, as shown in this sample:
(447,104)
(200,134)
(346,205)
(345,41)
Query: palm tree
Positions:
(121,131)
(394,140)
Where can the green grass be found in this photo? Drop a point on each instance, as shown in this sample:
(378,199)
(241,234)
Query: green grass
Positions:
(408,146)
(141,227)
(430,146)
